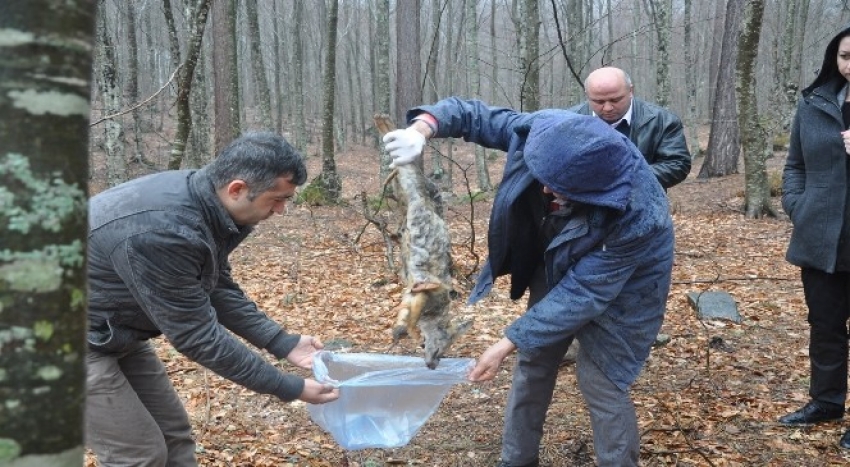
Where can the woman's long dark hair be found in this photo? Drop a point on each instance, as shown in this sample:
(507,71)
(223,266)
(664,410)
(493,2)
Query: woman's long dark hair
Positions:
(829,69)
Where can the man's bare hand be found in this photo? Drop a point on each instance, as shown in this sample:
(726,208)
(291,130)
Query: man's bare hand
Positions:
(488,364)
(302,355)
(317,393)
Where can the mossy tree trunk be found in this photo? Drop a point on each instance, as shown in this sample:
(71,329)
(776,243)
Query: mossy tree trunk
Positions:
(382,72)
(753,135)
(44,120)
(197,24)
(329,176)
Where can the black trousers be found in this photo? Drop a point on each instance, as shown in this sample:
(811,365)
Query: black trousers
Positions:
(828,300)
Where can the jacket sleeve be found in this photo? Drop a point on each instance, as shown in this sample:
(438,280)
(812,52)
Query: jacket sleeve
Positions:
(474,121)
(794,172)
(671,161)
(241,315)
(172,295)
(584,293)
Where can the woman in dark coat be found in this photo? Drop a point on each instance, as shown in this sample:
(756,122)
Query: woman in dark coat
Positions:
(816,197)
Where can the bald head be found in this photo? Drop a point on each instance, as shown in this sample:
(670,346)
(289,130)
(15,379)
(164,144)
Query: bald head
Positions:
(609,93)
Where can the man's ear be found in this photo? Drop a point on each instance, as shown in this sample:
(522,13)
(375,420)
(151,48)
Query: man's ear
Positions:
(236,188)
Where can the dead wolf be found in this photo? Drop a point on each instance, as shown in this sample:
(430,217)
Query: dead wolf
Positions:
(426,262)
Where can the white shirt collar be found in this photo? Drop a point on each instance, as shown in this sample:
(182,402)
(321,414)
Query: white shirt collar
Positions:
(627,117)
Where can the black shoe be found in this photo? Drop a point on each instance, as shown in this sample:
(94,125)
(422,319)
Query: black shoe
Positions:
(814,412)
(535,463)
(845,440)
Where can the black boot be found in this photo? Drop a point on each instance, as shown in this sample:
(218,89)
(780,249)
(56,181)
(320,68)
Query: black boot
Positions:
(845,440)
(535,463)
(814,412)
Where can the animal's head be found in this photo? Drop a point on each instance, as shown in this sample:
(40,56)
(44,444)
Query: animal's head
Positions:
(439,338)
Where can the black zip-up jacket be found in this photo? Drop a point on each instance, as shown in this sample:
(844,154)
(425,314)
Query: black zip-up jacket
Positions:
(158,264)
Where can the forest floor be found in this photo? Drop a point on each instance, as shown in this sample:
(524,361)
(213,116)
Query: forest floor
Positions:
(710,397)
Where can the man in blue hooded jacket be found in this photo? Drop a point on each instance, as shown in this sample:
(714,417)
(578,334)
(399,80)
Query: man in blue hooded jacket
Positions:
(580,223)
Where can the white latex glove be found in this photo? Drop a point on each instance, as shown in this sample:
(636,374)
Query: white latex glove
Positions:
(845,135)
(404,146)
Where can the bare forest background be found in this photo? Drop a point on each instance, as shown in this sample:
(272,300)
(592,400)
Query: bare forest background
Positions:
(316,71)
(173,81)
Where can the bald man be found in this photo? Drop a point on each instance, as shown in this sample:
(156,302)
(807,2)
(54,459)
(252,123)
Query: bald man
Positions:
(657,132)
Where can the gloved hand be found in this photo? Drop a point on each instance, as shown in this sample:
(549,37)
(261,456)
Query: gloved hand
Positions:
(404,146)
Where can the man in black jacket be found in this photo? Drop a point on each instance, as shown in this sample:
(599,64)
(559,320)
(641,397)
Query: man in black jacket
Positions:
(158,265)
(657,132)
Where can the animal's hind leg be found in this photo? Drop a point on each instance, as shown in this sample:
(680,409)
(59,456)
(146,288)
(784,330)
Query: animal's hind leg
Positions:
(401,322)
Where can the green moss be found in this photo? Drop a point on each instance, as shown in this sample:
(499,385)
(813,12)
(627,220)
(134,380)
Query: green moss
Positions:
(26,275)
(314,194)
(9,449)
(43,330)
(44,202)
(49,373)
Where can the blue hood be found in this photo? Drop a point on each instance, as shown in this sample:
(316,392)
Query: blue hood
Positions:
(583,158)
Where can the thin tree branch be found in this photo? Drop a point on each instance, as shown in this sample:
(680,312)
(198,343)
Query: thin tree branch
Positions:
(563,47)
(152,96)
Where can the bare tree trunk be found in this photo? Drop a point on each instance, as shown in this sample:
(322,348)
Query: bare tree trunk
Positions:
(494,69)
(278,70)
(298,72)
(724,142)
(42,266)
(173,40)
(198,21)
(662,13)
(801,38)
(577,52)
(110,92)
(529,56)
(330,178)
(258,64)
(132,86)
(199,153)
(430,91)
(382,72)
(225,73)
(483,175)
(786,86)
(362,94)
(408,91)
(755,145)
(152,65)
(716,48)
(607,57)
(691,82)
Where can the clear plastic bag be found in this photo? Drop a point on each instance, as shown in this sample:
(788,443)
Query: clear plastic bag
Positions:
(384,399)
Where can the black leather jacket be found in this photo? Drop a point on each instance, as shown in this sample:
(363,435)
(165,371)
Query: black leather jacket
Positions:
(660,136)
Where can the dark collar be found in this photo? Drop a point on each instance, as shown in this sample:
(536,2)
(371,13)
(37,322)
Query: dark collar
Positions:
(216,215)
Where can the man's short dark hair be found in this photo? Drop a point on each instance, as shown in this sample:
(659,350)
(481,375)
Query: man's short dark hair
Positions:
(259,159)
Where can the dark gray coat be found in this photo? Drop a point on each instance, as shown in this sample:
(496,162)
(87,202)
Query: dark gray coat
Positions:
(157,264)
(659,135)
(815,178)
